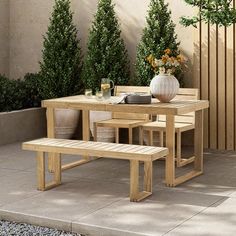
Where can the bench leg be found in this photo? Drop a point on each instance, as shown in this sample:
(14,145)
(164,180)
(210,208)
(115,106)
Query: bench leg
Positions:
(41,170)
(135,194)
(147,176)
(134,180)
(42,185)
(57,173)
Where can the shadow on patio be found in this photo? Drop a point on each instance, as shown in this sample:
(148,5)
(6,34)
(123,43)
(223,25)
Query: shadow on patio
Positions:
(93,198)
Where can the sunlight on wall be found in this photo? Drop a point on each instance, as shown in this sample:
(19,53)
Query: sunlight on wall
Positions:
(29,19)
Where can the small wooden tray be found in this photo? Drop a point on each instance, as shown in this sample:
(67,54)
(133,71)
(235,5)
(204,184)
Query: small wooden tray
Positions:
(138,99)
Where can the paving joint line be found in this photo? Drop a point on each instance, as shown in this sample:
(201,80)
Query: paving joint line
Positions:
(219,200)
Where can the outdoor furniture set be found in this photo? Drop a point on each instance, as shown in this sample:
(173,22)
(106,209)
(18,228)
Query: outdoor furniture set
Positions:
(189,115)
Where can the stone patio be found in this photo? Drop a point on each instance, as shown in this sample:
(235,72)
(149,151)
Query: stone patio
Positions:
(93,198)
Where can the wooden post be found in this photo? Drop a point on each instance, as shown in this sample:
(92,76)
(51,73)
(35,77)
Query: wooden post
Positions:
(51,134)
(41,170)
(148,176)
(170,144)
(134,180)
(198,141)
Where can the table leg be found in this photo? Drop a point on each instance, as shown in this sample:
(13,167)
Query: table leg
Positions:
(198,141)
(86,126)
(170,144)
(198,151)
(86,137)
(51,134)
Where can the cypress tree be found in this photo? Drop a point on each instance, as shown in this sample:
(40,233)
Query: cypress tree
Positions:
(61,63)
(158,35)
(106,55)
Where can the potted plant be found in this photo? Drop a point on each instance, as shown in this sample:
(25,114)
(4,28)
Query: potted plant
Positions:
(158,35)
(106,58)
(61,65)
(164,86)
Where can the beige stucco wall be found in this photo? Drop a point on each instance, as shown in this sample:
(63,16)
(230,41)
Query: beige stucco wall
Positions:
(29,19)
(4,40)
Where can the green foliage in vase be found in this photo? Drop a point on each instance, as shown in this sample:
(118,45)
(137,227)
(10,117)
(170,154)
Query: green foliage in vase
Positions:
(220,12)
(158,35)
(106,55)
(61,63)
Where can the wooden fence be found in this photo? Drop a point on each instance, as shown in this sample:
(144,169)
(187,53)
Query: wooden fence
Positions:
(215,76)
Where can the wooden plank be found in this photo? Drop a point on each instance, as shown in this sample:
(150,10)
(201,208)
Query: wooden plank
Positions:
(170,144)
(205,78)
(234,79)
(41,170)
(131,89)
(198,141)
(73,164)
(118,151)
(142,195)
(221,88)
(189,92)
(213,86)
(134,180)
(57,169)
(51,134)
(230,90)
(148,176)
(197,56)
(86,125)
(186,177)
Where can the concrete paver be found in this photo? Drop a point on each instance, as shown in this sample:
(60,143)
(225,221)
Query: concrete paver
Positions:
(93,198)
(219,219)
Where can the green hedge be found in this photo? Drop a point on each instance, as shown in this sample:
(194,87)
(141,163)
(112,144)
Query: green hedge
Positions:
(19,94)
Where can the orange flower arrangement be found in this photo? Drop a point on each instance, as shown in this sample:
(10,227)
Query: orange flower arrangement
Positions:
(167,64)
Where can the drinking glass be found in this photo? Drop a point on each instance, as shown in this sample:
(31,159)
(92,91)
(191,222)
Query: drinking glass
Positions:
(88,93)
(99,95)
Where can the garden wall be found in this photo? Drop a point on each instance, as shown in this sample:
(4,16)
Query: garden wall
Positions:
(4,40)
(29,19)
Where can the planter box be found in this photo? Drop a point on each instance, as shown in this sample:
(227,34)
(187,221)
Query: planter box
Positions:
(16,126)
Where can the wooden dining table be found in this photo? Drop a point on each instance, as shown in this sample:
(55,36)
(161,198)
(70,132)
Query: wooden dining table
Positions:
(171,109)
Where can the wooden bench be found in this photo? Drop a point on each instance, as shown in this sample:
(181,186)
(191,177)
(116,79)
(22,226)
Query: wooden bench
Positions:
(133,153)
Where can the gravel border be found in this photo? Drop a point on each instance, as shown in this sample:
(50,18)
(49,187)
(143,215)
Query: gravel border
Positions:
(14,229)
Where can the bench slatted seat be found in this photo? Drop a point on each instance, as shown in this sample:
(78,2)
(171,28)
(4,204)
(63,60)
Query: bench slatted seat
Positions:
(133,153)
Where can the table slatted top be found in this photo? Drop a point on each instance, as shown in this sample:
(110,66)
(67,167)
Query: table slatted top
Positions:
(80,102)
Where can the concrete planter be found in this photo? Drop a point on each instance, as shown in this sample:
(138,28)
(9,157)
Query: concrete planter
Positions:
(16,126)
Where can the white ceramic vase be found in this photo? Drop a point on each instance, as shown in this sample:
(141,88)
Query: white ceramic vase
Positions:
(164,87)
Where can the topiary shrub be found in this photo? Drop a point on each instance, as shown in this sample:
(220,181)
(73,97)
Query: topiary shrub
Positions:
(61,63)
(158,35)
(106,55)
